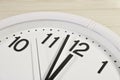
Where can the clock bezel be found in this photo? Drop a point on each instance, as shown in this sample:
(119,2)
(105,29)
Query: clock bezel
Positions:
(110,38)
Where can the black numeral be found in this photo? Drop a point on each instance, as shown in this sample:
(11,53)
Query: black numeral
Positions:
(56,39)
(76,42)
(48,36)
(16,39)
(102,67)
(16,42)
(77,51)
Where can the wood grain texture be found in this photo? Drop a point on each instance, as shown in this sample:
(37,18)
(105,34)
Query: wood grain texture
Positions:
(106,12)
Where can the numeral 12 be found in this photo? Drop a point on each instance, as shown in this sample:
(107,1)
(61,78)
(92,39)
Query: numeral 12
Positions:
(77,51)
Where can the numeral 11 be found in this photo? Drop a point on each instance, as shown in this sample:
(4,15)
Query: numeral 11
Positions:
(48,36)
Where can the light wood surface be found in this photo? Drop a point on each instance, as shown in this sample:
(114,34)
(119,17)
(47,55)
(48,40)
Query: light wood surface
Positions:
(106,12)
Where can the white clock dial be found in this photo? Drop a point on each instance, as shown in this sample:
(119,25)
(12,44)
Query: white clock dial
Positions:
(55,50)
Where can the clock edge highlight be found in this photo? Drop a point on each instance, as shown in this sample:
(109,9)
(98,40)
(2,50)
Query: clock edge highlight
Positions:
(99,29)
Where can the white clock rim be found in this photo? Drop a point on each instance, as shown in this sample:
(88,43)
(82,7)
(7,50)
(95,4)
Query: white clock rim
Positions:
(88,23)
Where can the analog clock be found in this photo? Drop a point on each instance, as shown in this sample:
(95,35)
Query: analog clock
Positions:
(57,46)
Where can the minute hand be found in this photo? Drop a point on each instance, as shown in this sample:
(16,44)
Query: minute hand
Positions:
(62,65)
(57,57)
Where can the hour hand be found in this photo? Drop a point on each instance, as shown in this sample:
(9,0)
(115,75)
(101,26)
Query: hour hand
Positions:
(62,65)
(57,57)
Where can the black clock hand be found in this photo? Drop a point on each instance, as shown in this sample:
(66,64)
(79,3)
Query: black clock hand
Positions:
(57,57)
(62,65)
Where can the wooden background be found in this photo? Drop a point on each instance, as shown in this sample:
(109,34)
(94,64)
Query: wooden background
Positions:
(106,12)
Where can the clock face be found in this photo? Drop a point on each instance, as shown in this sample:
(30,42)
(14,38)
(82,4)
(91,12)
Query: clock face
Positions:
(46,50)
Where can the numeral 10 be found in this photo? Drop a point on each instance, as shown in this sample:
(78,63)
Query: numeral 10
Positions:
(16,42)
